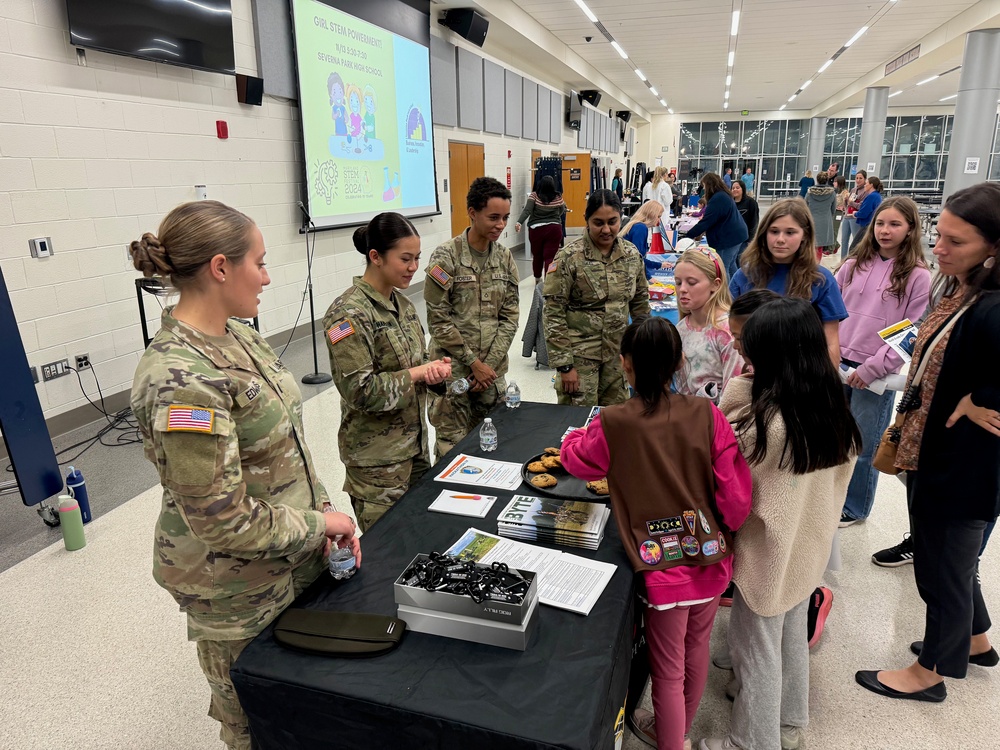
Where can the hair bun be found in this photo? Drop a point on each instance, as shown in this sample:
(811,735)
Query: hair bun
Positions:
(361,240)
(149,256)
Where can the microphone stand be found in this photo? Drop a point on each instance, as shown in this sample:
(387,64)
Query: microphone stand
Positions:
(315,377)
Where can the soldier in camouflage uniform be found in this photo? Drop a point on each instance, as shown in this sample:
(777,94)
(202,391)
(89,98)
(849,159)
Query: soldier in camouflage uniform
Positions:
(471,291)
(241,530)
(592,287)
(379,363)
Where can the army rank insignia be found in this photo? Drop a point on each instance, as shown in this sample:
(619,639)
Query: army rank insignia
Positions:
(340,331)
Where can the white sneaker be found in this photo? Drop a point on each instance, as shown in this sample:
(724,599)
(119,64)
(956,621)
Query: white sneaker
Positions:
(791,738)
(718,743)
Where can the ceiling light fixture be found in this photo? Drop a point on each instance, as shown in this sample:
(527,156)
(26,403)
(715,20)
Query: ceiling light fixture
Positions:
(732,58)
(653,89)
(725,105)
(897,93)
(639,73)
(668,109)
(927,80)
(792,97)
(727,93)
(619,50)
(736,23)
(947,98)
(826,65)
(853,39)
(589,13)
(782,107)
(729,81)
(805,85)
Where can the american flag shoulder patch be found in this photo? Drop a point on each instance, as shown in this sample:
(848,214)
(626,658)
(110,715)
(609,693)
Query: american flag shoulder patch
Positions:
(552,267)
(190,419)
(439,275)
(340,331)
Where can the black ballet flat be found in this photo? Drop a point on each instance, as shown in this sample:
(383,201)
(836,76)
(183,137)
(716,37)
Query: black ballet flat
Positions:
(868,679)
(986,659)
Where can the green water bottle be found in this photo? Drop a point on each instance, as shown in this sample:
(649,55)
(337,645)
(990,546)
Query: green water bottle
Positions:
(71,523)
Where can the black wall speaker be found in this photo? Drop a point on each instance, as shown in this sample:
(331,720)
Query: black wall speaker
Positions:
(591,96)
(467,23)
(249,90)
(623,115)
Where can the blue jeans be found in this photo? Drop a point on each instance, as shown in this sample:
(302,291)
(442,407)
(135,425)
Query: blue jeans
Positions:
(872,413)
(728,256)
(847,227)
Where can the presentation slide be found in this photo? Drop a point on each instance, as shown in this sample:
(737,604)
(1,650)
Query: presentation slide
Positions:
(365,102)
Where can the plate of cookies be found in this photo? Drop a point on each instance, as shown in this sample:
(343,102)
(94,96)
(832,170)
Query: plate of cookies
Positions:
(545,473)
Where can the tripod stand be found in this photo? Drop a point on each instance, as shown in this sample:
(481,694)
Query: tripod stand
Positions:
(308,227)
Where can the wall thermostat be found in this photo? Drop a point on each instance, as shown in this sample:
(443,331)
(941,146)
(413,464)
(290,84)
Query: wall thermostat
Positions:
(40,247)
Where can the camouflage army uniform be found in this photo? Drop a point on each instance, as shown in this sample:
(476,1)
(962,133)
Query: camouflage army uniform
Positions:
(383,437)
(588,300)
(241,530)
(472,315)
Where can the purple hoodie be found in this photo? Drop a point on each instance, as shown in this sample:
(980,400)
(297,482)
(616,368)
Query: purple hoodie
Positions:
(871,308)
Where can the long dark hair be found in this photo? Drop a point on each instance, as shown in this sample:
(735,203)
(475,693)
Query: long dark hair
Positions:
(599,199)
(714,184)
(794,378)
(546,189)
(382,233)
(978,205)
(654,346)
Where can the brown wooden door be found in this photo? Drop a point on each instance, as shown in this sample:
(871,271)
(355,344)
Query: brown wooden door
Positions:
(576,188)
(536,154)
(466,162)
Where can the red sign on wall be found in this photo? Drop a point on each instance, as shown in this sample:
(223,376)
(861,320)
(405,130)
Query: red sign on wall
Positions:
(508,178)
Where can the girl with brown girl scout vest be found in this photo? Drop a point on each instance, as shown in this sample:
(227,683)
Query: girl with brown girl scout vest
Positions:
(379,364)
(241,530)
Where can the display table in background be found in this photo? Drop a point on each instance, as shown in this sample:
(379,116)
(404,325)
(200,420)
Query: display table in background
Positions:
(565,691)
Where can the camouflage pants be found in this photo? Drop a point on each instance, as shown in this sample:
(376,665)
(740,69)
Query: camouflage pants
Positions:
(215,658)
(454,416)
(601,384)
(375,489)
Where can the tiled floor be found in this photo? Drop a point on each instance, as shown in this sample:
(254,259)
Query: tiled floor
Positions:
(93,654)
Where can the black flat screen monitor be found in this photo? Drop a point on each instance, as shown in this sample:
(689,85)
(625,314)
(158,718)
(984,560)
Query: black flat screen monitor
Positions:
(190,33)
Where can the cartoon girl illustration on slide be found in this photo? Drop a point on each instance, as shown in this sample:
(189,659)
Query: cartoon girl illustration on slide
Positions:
(356,127)
(369,118)
(335,85)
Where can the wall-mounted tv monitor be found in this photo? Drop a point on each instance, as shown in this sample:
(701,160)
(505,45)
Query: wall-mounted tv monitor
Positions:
(190,33)
(365,100)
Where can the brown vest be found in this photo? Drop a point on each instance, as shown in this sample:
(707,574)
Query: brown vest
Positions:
(662,484)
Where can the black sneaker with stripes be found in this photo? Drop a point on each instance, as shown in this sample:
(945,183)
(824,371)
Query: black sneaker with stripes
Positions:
(894,557)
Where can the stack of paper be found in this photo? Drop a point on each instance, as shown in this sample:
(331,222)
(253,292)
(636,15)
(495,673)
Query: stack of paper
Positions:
(569,523)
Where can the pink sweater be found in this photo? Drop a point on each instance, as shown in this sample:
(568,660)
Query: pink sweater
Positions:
(871,308)
(585,454)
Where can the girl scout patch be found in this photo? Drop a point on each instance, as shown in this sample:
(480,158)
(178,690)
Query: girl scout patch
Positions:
(190,419)
(439,275)
(341,331)
(650,552)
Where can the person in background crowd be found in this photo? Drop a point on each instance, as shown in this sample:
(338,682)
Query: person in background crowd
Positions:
(617,185)
(647,186)
(822,202)
(543,212)
(703,305)
(884,281)
(950,450)
(750,212)
(722,223)
(472,310)
(849,226)
(592,287)
(700,209)
(379,362)
(805,183)
(840,187)
(642,230)
(241,530)
(728,178)
(661,189)
(782,258)
(799,438)
(833,171)
(748,180)
(688,444)
(675,207)
(863,216)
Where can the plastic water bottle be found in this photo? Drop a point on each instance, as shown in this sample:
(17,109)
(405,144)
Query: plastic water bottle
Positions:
(71,523)
(342,563)
(488,436)
(513,395)
(78,488)
(460,386)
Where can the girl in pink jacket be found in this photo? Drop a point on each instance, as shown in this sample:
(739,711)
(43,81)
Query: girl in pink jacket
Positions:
(679,486)
(884,281)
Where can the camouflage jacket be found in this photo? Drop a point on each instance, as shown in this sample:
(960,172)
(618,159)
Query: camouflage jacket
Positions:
(588,300)
(472,314)
(372,343)
(221,419)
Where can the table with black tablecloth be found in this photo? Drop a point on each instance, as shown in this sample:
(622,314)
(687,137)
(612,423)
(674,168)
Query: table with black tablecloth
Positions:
(566,690)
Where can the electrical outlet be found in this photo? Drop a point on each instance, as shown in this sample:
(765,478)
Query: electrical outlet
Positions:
(82,361)
(129,265)
(54,370)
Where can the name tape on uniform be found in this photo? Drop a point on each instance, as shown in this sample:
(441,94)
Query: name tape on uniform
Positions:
(341,331)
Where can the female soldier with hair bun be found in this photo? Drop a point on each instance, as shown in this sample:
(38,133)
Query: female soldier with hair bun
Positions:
(378,358)
(241,530)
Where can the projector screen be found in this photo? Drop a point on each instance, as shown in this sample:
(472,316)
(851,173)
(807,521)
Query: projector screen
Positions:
(365,104)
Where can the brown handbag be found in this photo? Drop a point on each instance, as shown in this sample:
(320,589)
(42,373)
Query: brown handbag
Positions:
(885,456)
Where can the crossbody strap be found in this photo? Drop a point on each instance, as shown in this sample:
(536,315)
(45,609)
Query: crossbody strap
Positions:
(925,356)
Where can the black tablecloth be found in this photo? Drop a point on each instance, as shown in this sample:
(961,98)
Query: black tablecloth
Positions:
(564,691)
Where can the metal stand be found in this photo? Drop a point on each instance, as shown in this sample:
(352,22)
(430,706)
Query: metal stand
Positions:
(315,377)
